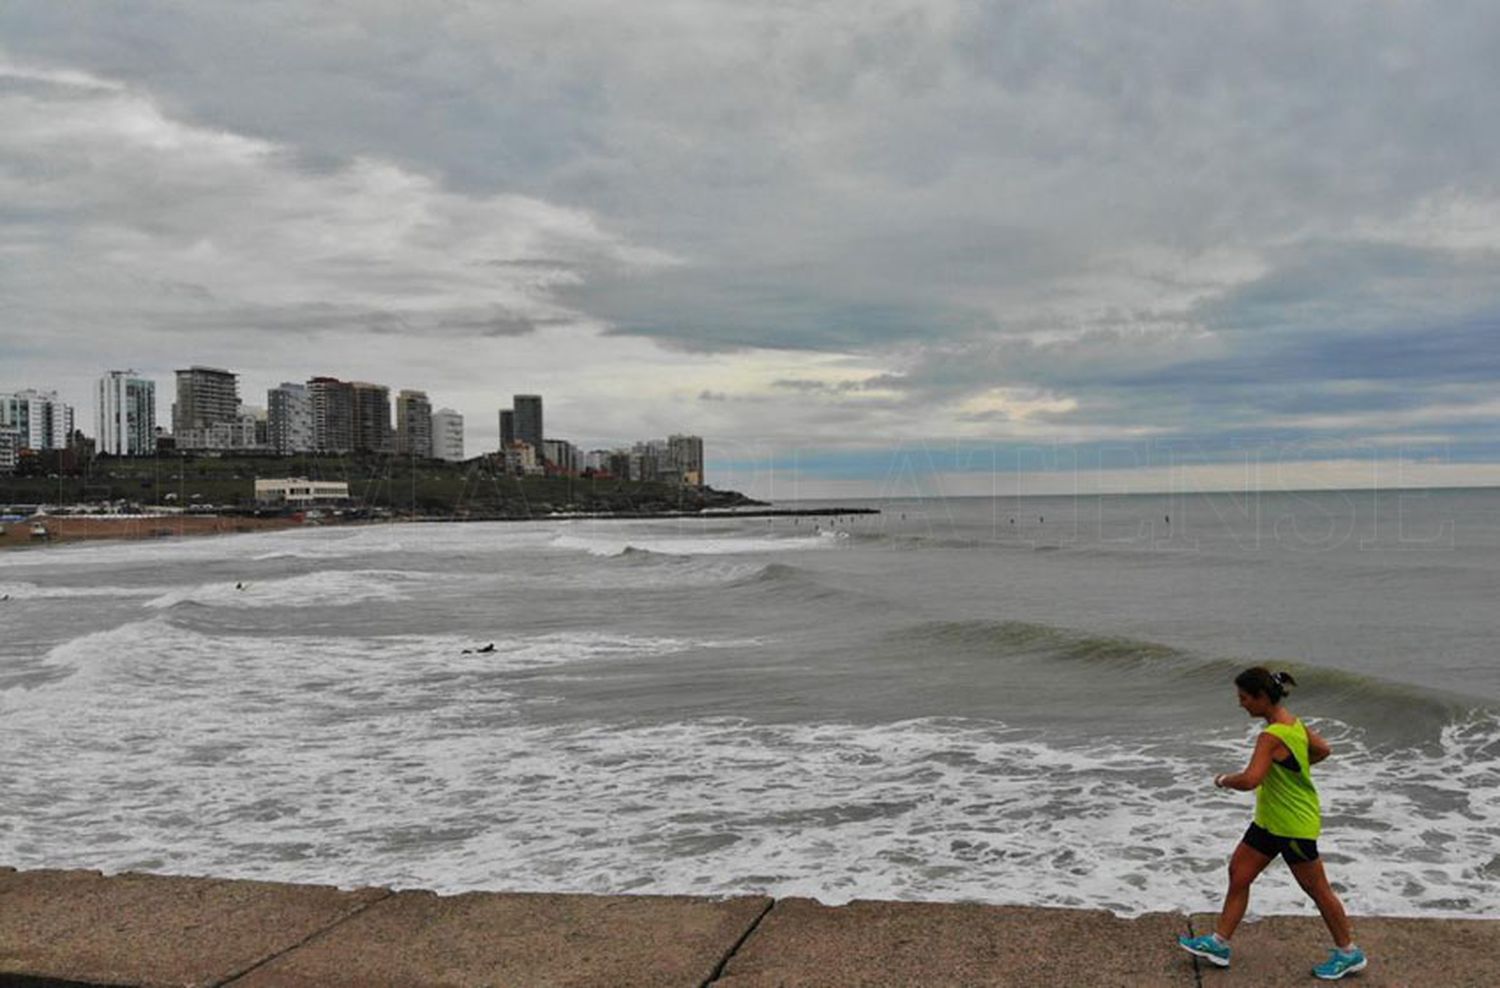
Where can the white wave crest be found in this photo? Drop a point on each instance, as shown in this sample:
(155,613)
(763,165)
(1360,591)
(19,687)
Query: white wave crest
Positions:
(403,761)
(32,591)
(324,588)
(688,546)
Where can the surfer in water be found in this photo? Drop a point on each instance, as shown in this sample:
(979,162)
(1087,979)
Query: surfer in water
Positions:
(1288,819)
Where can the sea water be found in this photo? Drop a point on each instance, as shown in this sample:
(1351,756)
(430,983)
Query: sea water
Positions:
(994,700)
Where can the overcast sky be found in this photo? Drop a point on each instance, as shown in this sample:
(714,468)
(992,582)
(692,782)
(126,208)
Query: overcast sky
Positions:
(846,242)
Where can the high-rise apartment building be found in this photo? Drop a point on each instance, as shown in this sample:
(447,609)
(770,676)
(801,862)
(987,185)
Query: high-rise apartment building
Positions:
(448,435)
(206,397)
(10,450)
(332,414)
(686,456)
(414,424)
(289,419)
(38,419)
(125,414)
(528,410)
(507,428)
(372,417)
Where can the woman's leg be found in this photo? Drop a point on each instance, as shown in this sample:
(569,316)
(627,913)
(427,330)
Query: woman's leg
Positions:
(1245,865)
(1314,882)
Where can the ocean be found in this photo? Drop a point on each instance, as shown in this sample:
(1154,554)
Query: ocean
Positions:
(993,700)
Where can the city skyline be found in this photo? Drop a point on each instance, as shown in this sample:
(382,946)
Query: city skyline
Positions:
(170,385)
(826,240)
(325,415)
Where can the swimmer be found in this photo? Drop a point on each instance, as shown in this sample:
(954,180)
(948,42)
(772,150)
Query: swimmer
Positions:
(1288,820)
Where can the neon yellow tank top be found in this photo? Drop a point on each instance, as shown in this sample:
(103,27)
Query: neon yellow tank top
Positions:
(1286,802)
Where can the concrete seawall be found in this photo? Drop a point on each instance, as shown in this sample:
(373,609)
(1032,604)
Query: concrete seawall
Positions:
(77,928)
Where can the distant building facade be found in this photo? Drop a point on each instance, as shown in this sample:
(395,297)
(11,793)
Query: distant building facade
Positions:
(332,414)
(289,419)
(507,428)
(520,459)
(251,431)
(39,419)
(300,491)
(528,409)
(208,398)
(125,414)
(414,425)
(448,435)
(10,451)
(561,456)
(644,463)
(685,453)
(596,461)
(372,417)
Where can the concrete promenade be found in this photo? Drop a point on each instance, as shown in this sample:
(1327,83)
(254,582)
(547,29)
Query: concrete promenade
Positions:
(72,928)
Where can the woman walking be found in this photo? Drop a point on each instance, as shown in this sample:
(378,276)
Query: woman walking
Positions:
(1288,819)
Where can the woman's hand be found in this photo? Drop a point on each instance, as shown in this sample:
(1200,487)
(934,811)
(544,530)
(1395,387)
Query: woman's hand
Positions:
(1317,748)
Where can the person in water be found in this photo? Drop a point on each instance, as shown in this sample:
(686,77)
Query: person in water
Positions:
(1288,820)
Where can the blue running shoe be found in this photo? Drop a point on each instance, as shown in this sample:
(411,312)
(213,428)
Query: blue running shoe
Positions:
(1340,964)
(1207,948)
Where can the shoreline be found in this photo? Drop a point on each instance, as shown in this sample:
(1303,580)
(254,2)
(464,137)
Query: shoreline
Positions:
(83,928)
(66,529)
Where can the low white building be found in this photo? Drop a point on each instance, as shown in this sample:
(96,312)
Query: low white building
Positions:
(300,490)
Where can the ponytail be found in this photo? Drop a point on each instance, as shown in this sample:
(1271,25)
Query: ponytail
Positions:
(1260,681)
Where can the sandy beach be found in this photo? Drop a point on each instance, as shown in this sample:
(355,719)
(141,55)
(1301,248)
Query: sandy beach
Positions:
(67,528)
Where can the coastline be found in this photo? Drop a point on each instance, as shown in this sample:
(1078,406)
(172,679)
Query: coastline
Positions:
(82,928)
(64,529)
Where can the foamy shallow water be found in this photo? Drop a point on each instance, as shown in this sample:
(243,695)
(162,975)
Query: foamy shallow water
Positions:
(521,733)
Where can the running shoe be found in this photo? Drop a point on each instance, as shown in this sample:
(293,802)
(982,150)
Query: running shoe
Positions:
(1340,964)
(1207,948)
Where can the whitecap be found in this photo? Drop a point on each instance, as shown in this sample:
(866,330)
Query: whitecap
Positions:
(598,545)
(323,588)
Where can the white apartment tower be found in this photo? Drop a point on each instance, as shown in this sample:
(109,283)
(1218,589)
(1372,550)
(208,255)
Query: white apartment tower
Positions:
(38,419)
(448,435)
(125,414)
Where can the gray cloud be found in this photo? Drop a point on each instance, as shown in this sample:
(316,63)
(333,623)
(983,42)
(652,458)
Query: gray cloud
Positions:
(1010,217)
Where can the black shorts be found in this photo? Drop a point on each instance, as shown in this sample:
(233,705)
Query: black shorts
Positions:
(1296,850)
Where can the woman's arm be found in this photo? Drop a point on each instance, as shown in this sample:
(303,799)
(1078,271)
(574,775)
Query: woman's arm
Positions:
(1260,764)
(1317,748)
